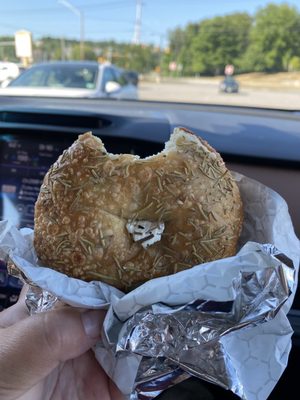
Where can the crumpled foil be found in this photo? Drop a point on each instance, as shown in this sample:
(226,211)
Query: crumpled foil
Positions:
(188,340)
(223,321)
(37,299)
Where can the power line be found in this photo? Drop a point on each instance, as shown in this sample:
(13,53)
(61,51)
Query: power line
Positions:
(117,21)
(110,3)
(106,5)
(16,28)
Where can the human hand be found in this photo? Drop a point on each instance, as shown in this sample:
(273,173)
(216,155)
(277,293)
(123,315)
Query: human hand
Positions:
(48,356)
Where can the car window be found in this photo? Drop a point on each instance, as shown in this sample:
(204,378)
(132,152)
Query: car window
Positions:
(121,78)
(65,76)
(108,76)
(34,77)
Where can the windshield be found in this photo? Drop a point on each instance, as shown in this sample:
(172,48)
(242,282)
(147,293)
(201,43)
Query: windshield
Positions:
(244,53)
(58,76)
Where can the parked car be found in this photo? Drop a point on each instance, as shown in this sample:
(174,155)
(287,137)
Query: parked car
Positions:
(72,79)
(8,71)
(229,85)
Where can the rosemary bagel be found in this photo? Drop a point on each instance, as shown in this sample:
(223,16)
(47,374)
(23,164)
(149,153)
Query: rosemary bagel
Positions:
(124,220)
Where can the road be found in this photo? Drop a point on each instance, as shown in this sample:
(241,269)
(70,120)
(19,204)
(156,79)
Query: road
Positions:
(207,92)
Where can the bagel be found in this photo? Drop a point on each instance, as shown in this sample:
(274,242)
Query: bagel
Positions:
(124,220)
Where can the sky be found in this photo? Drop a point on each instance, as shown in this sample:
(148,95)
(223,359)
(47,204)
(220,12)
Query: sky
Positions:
(115,19)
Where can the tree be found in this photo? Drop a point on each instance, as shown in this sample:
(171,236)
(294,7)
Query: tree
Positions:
(177,39)
(186,52)
(274,39)
(219,41)
(141,58)
(7,49)
(89,53)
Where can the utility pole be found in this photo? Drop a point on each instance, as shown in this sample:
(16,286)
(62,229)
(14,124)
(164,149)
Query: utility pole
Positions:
(62,48)
(138,23)
(81,16)
(109,54)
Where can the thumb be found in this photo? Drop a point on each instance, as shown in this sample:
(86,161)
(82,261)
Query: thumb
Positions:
(33,347)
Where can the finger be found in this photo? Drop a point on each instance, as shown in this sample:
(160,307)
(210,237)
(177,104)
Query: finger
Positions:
(115,392)
(99,383)
(15,313)
(33,347)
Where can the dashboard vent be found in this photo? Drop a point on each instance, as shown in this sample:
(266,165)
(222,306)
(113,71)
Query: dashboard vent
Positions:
(81,120)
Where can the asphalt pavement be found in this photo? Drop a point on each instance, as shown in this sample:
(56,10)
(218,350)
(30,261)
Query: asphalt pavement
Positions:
(208,93)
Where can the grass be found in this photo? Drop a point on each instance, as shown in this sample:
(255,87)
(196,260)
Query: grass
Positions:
(280,80)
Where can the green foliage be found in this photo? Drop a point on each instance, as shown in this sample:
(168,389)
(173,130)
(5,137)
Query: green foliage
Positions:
(89,53)
(294,64)
(220,41)
(186,53)
(135,57)
(7,51)
(140,58)
(269,42)
(274,39)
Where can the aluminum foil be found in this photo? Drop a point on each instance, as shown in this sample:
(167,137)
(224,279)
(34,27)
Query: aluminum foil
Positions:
(37,300)
(186,341)
(223,321)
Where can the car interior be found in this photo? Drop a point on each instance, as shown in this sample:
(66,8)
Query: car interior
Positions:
(34,133)
(131,72)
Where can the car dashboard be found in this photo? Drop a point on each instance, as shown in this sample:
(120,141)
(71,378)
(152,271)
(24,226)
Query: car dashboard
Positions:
(262,144)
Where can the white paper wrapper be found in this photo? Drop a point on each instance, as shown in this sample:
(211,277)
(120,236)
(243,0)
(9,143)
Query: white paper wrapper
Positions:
(250,351)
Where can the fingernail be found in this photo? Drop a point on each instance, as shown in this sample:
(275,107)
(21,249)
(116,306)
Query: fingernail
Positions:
(92,323)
